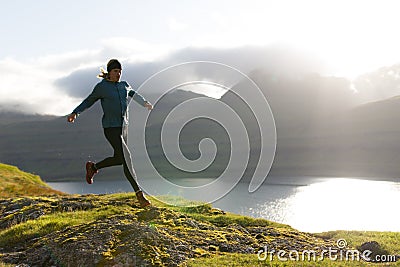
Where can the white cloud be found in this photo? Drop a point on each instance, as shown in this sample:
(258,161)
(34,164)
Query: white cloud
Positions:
(70,61)
(133,50)
(29,85)
(349,36)
(32,84)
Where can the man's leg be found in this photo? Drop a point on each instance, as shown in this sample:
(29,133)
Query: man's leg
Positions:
(130,172)
(113,136)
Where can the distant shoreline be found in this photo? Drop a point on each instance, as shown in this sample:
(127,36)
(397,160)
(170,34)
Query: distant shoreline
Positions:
(269,180)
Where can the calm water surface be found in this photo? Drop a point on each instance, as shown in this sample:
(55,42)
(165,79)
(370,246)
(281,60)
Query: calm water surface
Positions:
(307,204)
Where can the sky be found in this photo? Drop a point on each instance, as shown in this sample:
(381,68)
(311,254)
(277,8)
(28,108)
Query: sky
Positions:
(43,42)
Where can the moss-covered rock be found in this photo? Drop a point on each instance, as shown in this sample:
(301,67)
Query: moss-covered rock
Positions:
(49,228)
(110,230)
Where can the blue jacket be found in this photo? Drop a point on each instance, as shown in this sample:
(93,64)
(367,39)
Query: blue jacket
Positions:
(115,98)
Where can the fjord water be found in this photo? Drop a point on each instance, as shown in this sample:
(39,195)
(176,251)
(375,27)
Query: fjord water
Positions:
(306,203)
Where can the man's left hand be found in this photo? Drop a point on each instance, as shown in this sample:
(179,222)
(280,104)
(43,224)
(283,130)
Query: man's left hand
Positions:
(148,105)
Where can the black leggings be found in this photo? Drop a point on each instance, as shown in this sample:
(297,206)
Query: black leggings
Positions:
(114,136)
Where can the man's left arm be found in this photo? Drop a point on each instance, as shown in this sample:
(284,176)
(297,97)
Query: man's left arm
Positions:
(140,99)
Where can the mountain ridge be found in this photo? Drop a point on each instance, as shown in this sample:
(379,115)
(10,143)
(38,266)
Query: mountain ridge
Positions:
(350,141)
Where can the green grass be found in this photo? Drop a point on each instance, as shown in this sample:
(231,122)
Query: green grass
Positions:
(202,211)
(26,231)
(46,224)
(389,241)
(14,182)
(230,218)
(240,260)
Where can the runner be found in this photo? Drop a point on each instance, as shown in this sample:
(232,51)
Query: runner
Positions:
(115,96)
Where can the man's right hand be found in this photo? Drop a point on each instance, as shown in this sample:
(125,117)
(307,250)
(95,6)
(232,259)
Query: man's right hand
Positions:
(71,117)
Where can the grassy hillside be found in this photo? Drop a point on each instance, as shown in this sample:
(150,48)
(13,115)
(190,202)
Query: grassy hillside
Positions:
(110,230)
(51,229)
(14,182)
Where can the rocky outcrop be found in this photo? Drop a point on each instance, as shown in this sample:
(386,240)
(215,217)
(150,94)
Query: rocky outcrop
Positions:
(377,253)
(131,236)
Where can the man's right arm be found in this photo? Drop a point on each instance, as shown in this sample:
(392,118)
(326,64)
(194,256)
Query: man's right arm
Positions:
(87,103)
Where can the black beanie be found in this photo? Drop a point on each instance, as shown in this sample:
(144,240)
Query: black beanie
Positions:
(113,64)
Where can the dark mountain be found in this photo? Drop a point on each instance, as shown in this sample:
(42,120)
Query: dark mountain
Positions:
(58,150)
(7,117)
(53,148)
(362,142)
(321,131)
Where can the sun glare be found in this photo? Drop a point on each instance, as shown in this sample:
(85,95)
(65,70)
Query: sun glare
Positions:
(350,37)
(347,204)
(208,89)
